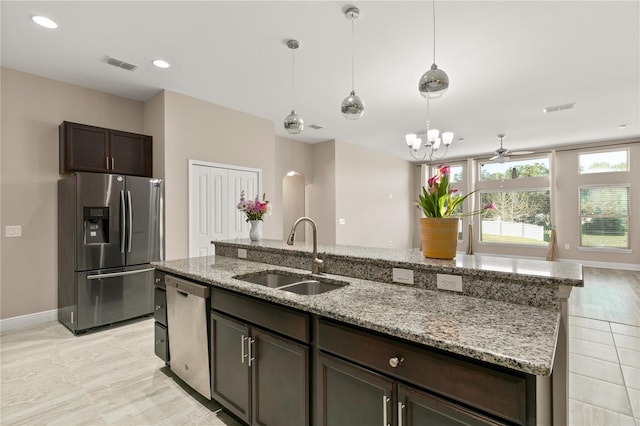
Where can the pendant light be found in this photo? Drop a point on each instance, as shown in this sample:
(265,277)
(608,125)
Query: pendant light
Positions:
(293,123)
(435,82)
(433,141)
(352,106)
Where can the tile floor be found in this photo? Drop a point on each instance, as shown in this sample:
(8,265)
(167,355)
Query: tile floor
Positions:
(48,376)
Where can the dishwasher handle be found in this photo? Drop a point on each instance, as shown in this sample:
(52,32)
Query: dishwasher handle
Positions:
(186,288)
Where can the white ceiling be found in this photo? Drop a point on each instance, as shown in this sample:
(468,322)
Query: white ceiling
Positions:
(506,60)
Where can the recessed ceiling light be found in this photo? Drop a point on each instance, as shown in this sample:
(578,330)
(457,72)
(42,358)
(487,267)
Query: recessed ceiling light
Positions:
(161,63)
(43,21)
(622,126)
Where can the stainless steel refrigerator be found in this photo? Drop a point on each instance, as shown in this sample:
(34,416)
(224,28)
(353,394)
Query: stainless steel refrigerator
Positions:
(109,228)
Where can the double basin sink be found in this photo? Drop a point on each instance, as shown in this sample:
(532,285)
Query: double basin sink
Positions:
(307,285)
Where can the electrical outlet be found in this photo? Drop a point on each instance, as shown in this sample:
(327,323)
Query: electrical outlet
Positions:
(342,221)
(404,276)
(242,253)
(13,231)
(567,246)
(449,282)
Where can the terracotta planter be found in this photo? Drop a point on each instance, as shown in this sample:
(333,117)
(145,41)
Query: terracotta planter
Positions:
(439,237)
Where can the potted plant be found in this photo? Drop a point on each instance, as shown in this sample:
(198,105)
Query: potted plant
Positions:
(439,204)
(255,210)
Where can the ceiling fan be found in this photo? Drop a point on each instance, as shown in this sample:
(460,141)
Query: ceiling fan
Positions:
(503,154)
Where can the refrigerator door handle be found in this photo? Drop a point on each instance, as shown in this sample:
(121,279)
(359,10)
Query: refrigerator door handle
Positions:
(123,221)
(130,223)
(118,274)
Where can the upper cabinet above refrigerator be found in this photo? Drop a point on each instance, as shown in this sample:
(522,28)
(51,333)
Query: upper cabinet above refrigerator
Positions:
(85,148)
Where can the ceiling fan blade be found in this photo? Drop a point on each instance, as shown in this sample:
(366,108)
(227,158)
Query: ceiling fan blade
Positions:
(521,152)
(494,157)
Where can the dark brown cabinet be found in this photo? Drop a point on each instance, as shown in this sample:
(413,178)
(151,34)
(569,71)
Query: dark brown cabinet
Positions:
(350,395)
(259,375)
(161,338)
(425,384)
(85,148)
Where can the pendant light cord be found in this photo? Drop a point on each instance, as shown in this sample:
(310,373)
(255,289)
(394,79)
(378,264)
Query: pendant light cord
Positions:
(353,55)
(293,79)
(434,31)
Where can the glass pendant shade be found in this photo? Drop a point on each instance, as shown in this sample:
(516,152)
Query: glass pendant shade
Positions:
(293,123)
(447,138)
(352,107)
(433,83)
(432,135)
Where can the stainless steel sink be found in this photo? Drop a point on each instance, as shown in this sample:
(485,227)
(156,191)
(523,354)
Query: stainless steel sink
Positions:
(311,287)
(304,284)
(273,279)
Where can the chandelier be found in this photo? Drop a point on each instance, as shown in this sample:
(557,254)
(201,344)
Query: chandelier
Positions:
(433,142)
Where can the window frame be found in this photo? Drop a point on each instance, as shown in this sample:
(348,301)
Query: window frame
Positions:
(538,183)
(600,151)
(628,217)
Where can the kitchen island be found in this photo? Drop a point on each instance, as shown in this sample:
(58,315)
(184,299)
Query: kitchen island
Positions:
(523,345)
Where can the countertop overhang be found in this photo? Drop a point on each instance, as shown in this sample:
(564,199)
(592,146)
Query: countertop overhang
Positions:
(518,337)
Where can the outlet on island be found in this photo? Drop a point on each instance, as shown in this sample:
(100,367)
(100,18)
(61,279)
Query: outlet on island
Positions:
(449,282)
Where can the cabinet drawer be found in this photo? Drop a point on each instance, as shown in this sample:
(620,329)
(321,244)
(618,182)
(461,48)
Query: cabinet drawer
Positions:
(160,306)
(492,390)
(161,342)
(158,279)
(267,315)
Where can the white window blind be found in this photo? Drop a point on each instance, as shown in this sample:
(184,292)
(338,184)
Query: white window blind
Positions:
(604,216)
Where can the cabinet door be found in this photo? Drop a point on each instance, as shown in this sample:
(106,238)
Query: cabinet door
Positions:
(83,148)
(350,395)
(417,408)
(131,154)
(160,305)
(280,380)
(229,362)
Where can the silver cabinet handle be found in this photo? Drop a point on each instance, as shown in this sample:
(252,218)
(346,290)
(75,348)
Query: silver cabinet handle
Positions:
(385,401)
(113,164)
(400,409)
(251,358)
(395,361)
(157,280)
(107,158)
(158,307)
(242,354)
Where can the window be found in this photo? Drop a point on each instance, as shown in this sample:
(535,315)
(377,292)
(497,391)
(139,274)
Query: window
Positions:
(604,216)
(521,217)
(603,162)
(519,189)
(515,169)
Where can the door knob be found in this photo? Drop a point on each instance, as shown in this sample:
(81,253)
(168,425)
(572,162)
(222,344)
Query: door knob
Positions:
(395,361)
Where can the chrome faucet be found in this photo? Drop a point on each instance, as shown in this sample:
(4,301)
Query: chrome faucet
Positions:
(316,264)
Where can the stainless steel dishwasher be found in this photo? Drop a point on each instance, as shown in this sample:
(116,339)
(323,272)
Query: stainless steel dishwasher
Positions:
(187,304)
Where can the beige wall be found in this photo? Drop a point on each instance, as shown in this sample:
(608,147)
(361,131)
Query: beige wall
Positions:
(32,109)
(374,195)
(199,130)
(322,191)
(292,156)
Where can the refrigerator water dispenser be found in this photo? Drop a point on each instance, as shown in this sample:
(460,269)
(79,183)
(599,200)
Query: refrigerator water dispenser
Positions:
(96,225)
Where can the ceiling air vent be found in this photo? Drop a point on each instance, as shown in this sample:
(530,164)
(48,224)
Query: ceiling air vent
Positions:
(120,64)
(559,107)
(315,126)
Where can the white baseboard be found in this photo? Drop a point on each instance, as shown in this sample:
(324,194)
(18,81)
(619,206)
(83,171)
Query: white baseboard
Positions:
(606,265)
(24,321)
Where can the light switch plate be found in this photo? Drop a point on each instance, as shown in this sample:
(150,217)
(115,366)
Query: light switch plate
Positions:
(13,231)
(404,276)
(449,282)
(242,253)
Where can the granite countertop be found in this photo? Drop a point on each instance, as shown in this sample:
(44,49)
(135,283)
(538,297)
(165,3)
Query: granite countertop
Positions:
(564,273)
(519,337)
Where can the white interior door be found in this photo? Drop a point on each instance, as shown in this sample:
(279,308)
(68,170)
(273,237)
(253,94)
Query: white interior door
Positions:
(214,192)
(247,181)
